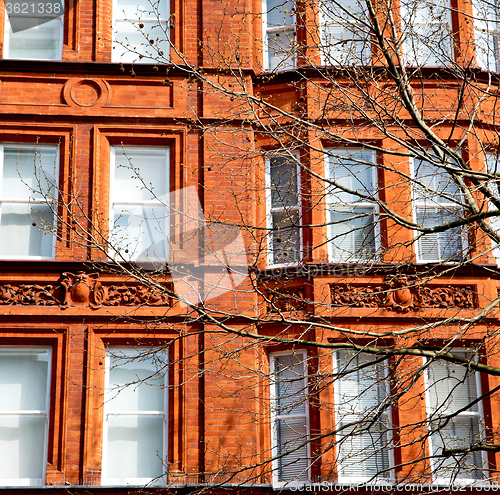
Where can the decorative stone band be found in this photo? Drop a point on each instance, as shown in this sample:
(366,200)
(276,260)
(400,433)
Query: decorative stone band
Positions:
(402,297)
(83,289)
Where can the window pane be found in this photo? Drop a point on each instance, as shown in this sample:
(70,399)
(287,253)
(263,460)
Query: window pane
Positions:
(281,49)
(137,384)
(130,42)
(29,173)
(354,170)
(344,39)
(291,391)
(292,434)
(362,385)
(141,9)
(284,183)
(447,245)
(286,237)
(22,441)
(280,13)
(363,448)
(37,43)
(135,447)
(458,433)
(451,387)
(140,232)
(140,175)
(352,233)
(438,185)
(19,237)
(23,379)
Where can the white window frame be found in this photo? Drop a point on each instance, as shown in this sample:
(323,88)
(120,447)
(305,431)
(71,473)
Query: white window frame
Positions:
(31,201)
(32,413)
(387,414)
(270,210)
(363,57)
(109,390)
(436,205)
(408,40)
(289,62)
(464,414)
(118,16)
(275,418)
(332,203)
(155,202)
(6,46)
(487,32)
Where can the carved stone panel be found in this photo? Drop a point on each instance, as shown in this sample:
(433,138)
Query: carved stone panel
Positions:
(403,295)
(83,289)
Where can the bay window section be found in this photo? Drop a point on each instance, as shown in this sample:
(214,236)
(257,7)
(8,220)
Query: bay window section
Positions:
(456,421)
(353,230)
(139,218)
(290,419)
(136,421)
(437,202)
(39,37)
(140,31)
(427,32)
(487,34)
(24,414)
(279,35)
(28,201)
(284,211)
(363,418)
(344,33)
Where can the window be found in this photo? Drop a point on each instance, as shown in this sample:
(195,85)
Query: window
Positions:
(345,38)
(135,412)
(363,420)
(492,167)
(24,415)
(28,201)
(453,422)
(290,418)
(352,220)
(436,201)
(39,37)
(426,31)
(279,32)
(139,202)
(487,34)
(140,31)
(284,211)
